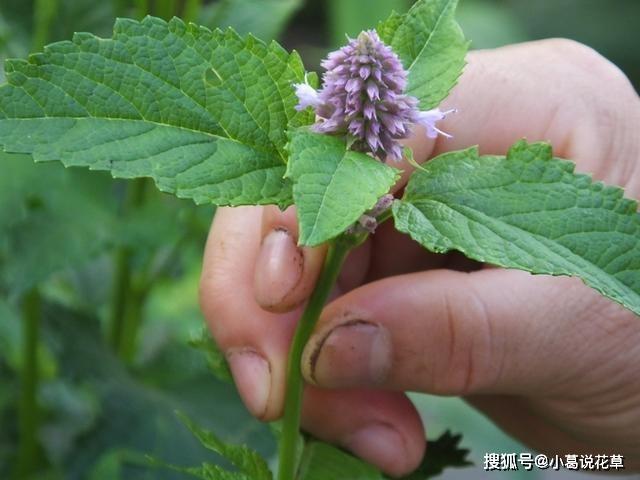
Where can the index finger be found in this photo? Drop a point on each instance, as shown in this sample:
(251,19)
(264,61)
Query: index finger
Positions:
(245,243)
(235,319)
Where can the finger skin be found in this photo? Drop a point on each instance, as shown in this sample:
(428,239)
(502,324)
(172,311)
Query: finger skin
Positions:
(241,326)
(554,90)
(384,428)
(455,333)
(527,419)
(236,321)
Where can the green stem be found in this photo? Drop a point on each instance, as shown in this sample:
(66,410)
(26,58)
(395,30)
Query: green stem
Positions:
(133,320)
(121,287)
(165,8)
(190,9)
(28,408)
(120,7)
(141,8)
(384,216)
(44,14)
(293,397)
(122,282)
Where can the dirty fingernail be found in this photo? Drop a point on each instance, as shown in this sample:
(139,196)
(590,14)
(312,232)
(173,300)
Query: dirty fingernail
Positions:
(356,353)
(252,377)
(278,268)
(380,444)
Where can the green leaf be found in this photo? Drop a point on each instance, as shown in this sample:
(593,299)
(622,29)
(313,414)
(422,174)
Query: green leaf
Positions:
(51,219)
(203,113)
(207,471)
(441,453)
(216,359)
(110,464)
(137,412)
(71,412)
(242,457)
(430,45)
(529,211)
(333,186)
(321,461)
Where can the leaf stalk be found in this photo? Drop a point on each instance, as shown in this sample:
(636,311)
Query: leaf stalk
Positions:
(126,305)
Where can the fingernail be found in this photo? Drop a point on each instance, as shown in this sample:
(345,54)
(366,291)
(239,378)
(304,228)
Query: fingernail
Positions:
(380,444)
(252,377)
(278,268)
(356,353)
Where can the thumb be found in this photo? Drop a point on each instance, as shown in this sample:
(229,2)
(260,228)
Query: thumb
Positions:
(454,333)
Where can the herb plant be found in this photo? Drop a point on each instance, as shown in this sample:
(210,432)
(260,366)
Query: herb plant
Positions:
(226,119)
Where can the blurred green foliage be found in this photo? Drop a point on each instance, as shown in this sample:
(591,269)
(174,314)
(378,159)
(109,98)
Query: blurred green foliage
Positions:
(351,17)
(61,232)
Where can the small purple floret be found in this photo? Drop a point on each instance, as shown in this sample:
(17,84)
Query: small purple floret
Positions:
(429,118)
(363,97)
(307,96)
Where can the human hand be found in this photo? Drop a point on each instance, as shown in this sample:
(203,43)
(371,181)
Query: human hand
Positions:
(546,358)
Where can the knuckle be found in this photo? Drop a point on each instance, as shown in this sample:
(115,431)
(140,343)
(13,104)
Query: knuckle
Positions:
(469,364)
(593,89)
(575,53)
(597,72)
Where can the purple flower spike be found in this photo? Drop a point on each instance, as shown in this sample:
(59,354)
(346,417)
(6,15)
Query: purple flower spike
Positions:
(362,97)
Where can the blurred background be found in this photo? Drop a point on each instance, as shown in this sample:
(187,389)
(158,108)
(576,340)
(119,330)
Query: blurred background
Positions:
(101,339)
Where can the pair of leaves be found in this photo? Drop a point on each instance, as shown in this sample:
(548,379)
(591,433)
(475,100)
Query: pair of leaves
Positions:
(206,114)
(527,211)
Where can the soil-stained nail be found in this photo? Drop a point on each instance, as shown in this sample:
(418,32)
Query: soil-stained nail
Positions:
(278,269)
(355,353)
